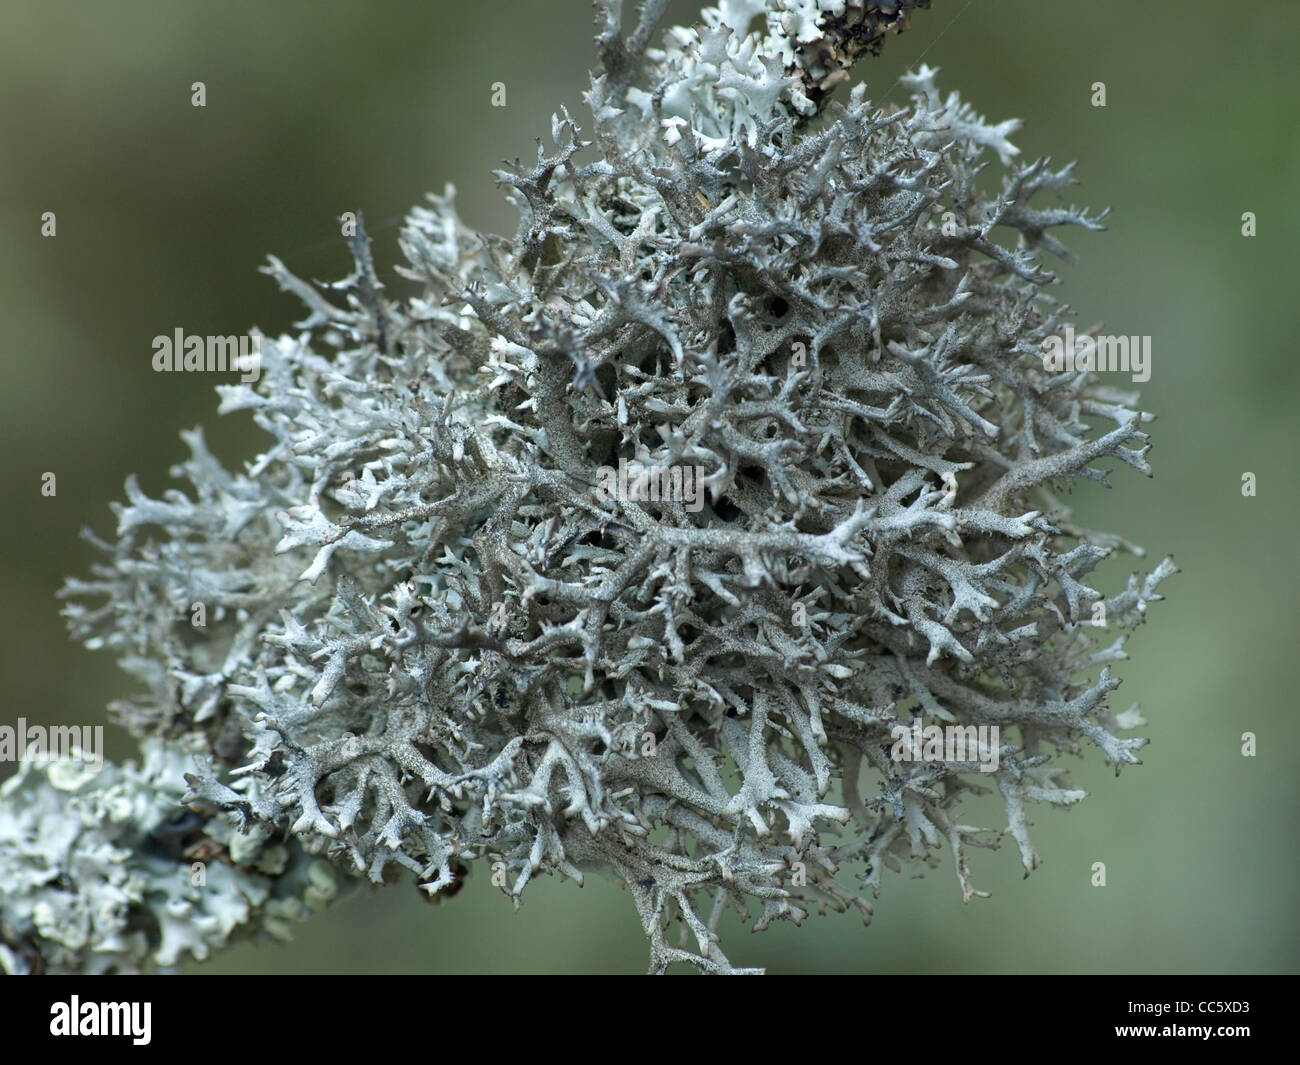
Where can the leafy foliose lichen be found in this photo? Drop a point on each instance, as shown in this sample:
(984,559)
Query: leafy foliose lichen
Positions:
(103,871)
(437,637)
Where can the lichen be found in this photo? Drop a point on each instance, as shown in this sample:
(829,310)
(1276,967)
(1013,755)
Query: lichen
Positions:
(104,872)
(435,640)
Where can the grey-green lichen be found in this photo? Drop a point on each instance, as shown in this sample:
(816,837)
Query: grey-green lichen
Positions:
(435,640)
(103,871)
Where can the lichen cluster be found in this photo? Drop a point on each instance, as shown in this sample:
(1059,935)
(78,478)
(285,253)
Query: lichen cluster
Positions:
(104,872)
(434,642)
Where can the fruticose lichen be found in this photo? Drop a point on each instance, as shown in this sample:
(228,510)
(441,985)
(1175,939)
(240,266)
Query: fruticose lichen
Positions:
(435,638)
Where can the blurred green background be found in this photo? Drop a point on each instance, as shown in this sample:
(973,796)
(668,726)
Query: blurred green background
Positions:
(164,211)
